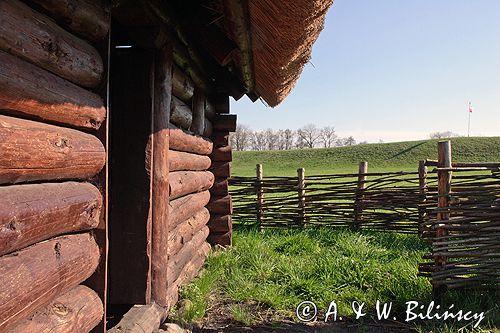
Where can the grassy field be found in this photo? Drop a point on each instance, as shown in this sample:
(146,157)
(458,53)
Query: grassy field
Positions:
(264,276)
(398,156)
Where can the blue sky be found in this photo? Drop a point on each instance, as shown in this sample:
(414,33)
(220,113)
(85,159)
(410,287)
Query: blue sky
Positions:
(396,70)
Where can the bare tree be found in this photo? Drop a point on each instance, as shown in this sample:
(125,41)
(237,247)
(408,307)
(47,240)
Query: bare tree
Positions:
(288,138)
(308,136)
(240,139)
(443,135)
(350,141)
(271,139)
(328,136)
(258,140)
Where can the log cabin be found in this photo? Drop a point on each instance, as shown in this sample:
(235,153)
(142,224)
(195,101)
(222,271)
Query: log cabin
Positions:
(114,147)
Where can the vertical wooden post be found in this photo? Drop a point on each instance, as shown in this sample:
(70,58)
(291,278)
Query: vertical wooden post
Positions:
(302,195)
(260,194)
(358,205)
(444,189)
(160,171)
(198,109)
(422,189)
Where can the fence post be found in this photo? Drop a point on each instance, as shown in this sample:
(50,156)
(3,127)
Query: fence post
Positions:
(444,189)
(422,189)
(302,195)
(260,194)
(358,204)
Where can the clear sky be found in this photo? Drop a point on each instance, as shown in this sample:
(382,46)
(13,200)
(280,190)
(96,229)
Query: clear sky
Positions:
(396,70)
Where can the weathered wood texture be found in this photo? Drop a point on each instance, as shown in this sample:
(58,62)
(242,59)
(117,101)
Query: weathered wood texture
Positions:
(183,141)
(27,90)
(35,151)
(184,207)
(189,271)
(177,262)
(33,213)
(180,114)
(181,161)
(185,231)
(220,223)
(198,119)
(225,122)
(222,154)
(220,139)
(217,238)
(182,86)
(77,311)
(39,40)
(221,205)
(220,188)
(34,276)
(208,128)
(87,18)
(160,173)
(141,319)
(186,182)
(221,169)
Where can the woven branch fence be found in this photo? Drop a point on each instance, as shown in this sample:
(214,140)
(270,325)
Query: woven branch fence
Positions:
(454,206)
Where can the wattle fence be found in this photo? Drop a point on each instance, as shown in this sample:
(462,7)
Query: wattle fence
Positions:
(454,206)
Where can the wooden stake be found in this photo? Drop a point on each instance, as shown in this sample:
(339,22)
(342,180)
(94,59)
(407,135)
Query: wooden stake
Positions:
(302,193)
(358,211)
(444,189)
(422,185)
(260,194)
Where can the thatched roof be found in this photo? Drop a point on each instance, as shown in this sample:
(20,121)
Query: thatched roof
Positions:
(282,35)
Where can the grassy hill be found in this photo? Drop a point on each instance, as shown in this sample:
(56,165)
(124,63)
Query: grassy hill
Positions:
(380,156)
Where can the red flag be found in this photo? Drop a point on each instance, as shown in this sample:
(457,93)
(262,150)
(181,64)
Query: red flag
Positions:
(470,107)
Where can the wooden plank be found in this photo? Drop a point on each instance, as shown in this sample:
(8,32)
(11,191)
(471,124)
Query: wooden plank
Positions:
(220,224)
(141,319)
(359,205)
(33,277)
(186,142)
(209,109)
(184,207)
(33,213)
(177,262)
(181,161)
(208,128)
(220,139)
(181,114)
(185,231)
(27,90)
(36,38)
(222,154)
(35,151)
(77,311)
(198,117)
(186,182)
(160,174)
(221,205)
(225,122)
(86,18)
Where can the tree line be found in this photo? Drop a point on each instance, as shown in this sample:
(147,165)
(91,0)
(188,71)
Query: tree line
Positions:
(308,136)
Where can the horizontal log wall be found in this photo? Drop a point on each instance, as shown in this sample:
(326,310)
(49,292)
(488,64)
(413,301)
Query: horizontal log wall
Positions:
(34,151)
(77,311)
(84,17)
(185,231)
(182,141)
(220,205)
(30,91)
(32,213)
(45,76)
(34,276)
(39,40)
(186,182)
(180,161)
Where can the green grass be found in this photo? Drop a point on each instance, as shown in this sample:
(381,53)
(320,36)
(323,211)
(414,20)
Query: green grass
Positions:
(395,156)
(277,269)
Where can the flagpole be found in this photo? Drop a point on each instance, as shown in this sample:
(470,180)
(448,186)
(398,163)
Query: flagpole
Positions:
(468,127)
